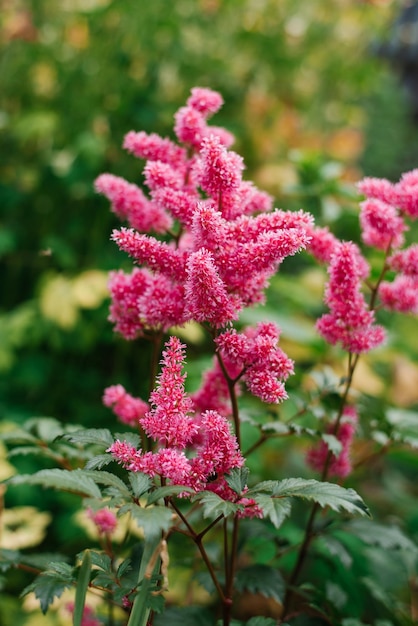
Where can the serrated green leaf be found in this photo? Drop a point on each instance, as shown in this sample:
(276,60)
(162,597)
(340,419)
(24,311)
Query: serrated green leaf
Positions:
(99,461)
(214,505)
(18,436)
(275,509)
(83,581)
(237,479)
(100,436)
(185,616)
(166,492)
(75,481)
(386,537)
(261,579)
(140,483)
(323,493)
(132,438)
(35,450)
(110,480)
(8,558)
(100,560)
(48,428)
(49,585)
(124,567)
(153,519)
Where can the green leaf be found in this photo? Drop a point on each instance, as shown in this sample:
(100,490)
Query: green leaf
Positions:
(100,560)
(99,461)
(325,494)
(140,483)
(275,509)
(100,436)
(261,579)
(9,558)
(124,567)
(237,479)
(75,481)
(153,519)
(386,537)
(83,581)
(50,584)
(214,505)
(262,621)
(166,492)
(110,480)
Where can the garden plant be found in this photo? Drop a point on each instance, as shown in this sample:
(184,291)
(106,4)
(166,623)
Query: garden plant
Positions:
(196,521)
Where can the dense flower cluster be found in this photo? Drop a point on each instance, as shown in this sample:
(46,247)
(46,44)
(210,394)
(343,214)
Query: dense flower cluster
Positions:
(105,521)
(222,241)
(349,321)
(127,408)
(172,423)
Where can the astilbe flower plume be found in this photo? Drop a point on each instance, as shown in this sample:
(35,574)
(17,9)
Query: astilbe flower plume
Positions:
(222,243)
(171,423)
(128,409)
(261,363)
(105,521)
(349,322)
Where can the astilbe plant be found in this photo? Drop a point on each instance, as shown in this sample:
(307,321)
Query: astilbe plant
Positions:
(205,243)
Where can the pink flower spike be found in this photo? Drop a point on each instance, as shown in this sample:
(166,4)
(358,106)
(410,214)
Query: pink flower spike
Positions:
(322,244)
(169,420)
(407,193)
(405,261)
(158,255)
(154,148)
(219,170)
(127,408)
(207,299)
(104,520)
(125,311)
(378,188)
(129,203)
(159,175)
(190,127)
(204,100)
(401,294)
(381,225)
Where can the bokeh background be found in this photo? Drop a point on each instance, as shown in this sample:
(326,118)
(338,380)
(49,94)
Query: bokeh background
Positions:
(317,93)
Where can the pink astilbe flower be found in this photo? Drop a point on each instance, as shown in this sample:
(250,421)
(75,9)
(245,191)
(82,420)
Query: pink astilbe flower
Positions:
(142,301)
(401,294)
(322,244)
(160,175)
(207,299)
(407,193)
(127,408)
(181,204)
(340,464)
(218,169)
(155,148)
(264,366)
(349,322)
(204,100)
(218,453)
(105,521)
(129,203)
(378,188)
(382,226)
(169,420)
(158,255)
(405,261)
(190,126)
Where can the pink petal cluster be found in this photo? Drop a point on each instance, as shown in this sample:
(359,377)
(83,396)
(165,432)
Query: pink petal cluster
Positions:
(172,424)
(340,465)
(349,322)
(382,225)
(261,363)
(127,408)
(105,521)
(402,293)
(213,394)
(130,203)
(142,301)
(222,243)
